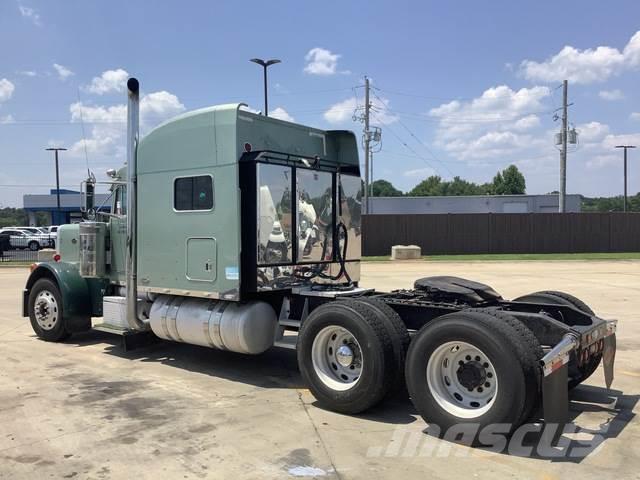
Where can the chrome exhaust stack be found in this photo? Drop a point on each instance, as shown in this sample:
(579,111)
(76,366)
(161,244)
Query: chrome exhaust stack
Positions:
(133,127)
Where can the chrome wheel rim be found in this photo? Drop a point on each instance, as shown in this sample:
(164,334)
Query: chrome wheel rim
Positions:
(337,358)
(46,310)
(462,379)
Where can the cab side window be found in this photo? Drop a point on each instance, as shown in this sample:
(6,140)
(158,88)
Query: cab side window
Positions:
(193,193)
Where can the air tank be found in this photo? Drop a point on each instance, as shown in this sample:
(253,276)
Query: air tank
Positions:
(239,327)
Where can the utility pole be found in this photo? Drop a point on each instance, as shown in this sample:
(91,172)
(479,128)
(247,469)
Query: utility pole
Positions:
(563,152)
(626,147)
(56,150)
(367,139)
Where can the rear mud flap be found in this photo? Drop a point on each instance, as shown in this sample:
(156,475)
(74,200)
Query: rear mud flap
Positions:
(608,358)
(555,397)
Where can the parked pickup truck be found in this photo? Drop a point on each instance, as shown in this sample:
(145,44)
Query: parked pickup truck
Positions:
(20,239)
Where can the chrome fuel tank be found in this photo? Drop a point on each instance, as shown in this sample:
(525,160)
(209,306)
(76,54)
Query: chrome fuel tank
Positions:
(244,328)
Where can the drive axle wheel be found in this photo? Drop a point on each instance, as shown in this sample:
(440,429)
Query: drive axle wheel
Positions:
(398,333)
(45,311)
(346,356)
(337,358)
(474,366)
(462,380)
(577,374)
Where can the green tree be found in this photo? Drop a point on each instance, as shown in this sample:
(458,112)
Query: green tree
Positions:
(430,187)
(509,182)
(12,217)
(611,204)
(435,186)
(384,188)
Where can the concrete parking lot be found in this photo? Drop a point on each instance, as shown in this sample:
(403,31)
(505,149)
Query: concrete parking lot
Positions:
(85,409)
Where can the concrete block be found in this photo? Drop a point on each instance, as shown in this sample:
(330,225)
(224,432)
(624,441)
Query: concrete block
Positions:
(46,255)
(405,252)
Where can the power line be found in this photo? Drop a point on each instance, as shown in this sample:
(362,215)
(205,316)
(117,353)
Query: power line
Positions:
(420,141)
(406,145)
(451,99)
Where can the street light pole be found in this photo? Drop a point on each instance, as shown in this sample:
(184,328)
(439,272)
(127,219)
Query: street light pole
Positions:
(265,64)
(625,147)
(56,150)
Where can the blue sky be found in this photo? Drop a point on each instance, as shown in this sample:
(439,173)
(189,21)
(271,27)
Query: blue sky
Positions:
(462,88)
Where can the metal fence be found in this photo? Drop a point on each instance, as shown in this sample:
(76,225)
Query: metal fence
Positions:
(24,248)
(503,233)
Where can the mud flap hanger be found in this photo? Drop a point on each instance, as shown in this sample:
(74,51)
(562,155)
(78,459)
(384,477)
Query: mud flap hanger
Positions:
(555,369)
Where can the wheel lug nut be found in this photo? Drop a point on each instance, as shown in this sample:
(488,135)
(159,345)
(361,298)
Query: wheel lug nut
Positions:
(477,358)
(489,375)
(485,365)
(487,384)
(460,363)
(479,389)
(468,357)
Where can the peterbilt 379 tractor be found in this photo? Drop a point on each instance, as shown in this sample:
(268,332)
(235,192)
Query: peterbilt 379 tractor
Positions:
(237,231)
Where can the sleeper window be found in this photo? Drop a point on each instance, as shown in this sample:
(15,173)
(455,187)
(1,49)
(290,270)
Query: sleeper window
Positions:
(193,193)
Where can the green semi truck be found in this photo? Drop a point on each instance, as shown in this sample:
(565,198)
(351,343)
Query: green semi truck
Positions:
(241,232)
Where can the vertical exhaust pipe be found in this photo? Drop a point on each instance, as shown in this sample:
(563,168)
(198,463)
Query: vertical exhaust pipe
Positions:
(133,127)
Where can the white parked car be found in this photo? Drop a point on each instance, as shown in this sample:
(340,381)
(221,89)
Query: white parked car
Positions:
(40,232)
(21,239)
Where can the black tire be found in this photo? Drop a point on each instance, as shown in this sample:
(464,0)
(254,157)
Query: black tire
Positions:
(576,302)
(53,331)
(511,349)
(398,333)
(379,365)
(34,246)
(577,374)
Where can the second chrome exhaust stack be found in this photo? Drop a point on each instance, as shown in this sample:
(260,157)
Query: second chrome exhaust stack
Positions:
(133,132)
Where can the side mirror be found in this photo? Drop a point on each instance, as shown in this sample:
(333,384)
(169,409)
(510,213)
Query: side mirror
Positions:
(87,198)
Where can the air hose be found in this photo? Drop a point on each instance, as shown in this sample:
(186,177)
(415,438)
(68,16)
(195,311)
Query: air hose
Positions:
(316,271)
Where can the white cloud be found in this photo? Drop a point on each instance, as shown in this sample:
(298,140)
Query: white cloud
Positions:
(611,140)
(281,114)
(592,132)
(601,161)
(27,73)
(109,81)
(157,107)
(597,145)
(6,119)
(611,95)
(343,111)
(420,172)
(527,123)
(584,66)
(98,114)
(635,116)
(30,13)
(108,123)
(496,123)
(321,61)
(6,89)
(62,71)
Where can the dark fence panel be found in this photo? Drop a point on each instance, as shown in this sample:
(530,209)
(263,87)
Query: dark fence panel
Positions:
(503,233)
(520,239)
